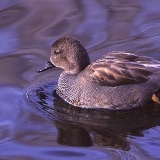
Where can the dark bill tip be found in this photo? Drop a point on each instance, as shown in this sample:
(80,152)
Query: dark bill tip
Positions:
(47,66)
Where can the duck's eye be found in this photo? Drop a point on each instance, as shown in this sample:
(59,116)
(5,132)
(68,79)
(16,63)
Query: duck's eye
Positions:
(57,51)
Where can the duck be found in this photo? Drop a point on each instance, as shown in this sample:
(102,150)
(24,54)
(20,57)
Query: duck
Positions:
(118,80)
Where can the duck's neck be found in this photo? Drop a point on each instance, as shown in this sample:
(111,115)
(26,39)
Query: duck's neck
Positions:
(84,63)
(81,61)
(78,67)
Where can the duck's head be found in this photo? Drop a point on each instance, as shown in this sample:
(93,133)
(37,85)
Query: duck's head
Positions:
(69,54)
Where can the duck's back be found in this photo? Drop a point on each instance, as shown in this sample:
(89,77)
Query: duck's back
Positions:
(120,68)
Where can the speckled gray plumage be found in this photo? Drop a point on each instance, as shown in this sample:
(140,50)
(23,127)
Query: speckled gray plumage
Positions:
(118,80)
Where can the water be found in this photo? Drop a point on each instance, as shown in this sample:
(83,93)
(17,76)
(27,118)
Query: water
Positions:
(27,30)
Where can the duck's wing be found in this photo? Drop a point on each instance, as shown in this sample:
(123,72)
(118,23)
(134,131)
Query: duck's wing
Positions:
(120,68)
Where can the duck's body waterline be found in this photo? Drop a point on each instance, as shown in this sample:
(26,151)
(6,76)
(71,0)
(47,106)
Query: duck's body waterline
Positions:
(118,80)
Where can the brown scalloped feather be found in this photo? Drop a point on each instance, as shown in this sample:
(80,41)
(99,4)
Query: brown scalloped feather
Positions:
(119,69)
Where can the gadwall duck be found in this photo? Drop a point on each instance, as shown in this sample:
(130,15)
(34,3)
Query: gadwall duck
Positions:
(118,80)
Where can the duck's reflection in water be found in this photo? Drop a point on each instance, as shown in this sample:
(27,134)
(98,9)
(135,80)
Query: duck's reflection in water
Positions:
(73,135)
(86,127)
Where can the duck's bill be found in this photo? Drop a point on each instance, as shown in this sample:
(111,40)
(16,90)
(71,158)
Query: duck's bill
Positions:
(47,66)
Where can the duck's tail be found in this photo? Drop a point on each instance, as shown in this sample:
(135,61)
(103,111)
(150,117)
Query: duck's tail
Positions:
(156,97)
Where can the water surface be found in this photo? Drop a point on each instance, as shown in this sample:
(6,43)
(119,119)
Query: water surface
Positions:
(27,29)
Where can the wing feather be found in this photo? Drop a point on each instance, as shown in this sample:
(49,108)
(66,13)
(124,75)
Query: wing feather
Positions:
(118,68)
